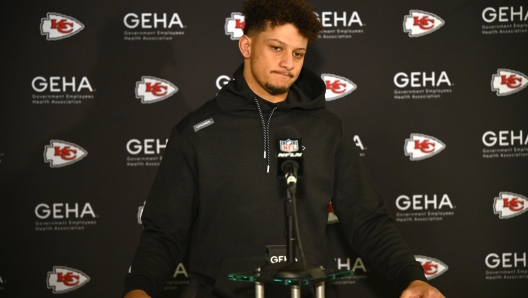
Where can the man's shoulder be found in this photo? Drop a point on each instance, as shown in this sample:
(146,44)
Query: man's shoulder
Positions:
(199,118)
(327,116)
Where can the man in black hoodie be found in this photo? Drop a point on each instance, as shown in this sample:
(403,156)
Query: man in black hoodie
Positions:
(216,191)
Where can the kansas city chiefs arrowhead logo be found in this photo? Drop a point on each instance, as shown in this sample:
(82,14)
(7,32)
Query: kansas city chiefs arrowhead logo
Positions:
(332,217)
(140,212)
(509,205)
(58,26)
(151,89)
(337,86)
(234,26)
(64,279)
(420,146)
(507,82)
(61,153)
(419,23)
(432,267)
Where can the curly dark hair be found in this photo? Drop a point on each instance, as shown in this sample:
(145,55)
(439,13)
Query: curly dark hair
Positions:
(261,13)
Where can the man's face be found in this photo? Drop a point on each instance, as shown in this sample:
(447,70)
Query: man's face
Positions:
(275,59)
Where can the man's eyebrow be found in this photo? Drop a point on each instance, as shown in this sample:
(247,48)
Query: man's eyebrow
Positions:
(282,42)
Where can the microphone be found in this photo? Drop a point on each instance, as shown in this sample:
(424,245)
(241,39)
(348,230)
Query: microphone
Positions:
(289,154)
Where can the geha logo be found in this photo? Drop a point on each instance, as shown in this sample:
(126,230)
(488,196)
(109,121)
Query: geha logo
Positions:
(508,205)
(494,260)
(152,20)
(420,79)
(421,146)
(360,145)
(507,82)
(346,264)
(504,138)
(63,210)
(432,267)
(64,279)
(58,26)
(60,84)
(419,23)
(504,14)
(234,26)
(337,86)
(423,202)
(151,89)
(147,147)
(61,153)
(333,19)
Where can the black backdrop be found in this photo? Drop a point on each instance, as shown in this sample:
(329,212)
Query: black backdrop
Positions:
(405,92)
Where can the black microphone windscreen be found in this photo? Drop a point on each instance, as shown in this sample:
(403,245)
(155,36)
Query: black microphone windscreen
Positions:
(287,132)
(289,151)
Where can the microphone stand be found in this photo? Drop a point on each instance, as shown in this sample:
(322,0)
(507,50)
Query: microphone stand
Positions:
(293,269)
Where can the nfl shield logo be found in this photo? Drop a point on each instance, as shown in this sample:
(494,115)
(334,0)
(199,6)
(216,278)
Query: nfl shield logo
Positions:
(289,145)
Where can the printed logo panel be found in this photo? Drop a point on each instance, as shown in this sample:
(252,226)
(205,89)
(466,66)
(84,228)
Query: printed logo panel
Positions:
(60,217)
(61,90)
(355,264)
(152,26)
(61,153)
(289,145)
(337,86)
(421,146)
(58,26)
(340,24)
(145,152)
(505,144)
(234,26)
(64,279)
(505,20)
(151,89)
(507,82)
(424,207)
(508,205)
(422,85)
(432,267)
(419,23)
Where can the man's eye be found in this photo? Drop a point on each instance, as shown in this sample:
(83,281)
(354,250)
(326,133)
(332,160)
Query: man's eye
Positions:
(299,55)
(275,48)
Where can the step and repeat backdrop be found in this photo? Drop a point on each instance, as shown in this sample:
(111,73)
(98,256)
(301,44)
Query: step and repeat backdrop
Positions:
(434,92)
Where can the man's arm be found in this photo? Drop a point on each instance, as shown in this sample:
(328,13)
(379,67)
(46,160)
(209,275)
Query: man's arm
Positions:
(421,289)
(365,220)
(167,217)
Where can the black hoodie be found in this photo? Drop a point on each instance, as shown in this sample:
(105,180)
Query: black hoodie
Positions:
(213,193)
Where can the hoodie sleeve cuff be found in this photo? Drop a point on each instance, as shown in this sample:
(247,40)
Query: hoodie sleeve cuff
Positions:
(139,282)
(409,274)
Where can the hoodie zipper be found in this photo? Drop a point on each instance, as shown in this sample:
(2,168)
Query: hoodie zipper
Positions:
(266,133)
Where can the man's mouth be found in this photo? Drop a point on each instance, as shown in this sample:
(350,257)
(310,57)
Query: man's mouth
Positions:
(287,74)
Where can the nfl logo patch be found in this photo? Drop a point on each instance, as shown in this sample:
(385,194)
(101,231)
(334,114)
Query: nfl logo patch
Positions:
(289,145)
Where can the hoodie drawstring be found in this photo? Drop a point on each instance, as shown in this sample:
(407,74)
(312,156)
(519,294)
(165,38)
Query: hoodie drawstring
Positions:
(266,132)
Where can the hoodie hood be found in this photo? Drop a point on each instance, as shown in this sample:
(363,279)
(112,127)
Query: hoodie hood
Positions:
(307,93)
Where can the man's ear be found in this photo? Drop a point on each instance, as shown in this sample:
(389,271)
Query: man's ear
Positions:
(244,44)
